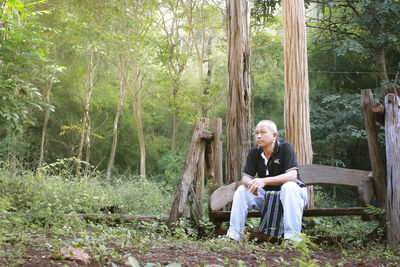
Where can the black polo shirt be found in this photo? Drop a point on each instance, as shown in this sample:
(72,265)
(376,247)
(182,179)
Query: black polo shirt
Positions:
(282,160)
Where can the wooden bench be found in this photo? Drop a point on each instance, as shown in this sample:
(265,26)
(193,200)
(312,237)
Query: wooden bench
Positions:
(311,175)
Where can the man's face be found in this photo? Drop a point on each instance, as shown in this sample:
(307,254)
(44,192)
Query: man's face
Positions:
(264,136)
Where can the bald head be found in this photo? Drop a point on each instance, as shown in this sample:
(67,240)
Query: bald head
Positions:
(269,124)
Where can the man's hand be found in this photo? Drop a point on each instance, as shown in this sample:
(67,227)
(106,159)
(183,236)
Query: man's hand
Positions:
(254,185)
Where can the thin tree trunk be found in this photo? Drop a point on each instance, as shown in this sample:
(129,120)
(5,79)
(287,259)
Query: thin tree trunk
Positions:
(44,129)
(121,97)
(137,110)
(239,93)
(207,85)
(175,118)
(198,40)
(297,114)
(381,62)
(85,134)
(392,129)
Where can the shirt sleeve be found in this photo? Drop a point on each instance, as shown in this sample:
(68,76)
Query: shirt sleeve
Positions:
(289,161)
(250,168)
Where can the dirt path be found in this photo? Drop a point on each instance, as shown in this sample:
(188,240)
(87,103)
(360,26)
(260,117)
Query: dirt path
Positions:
(199,255)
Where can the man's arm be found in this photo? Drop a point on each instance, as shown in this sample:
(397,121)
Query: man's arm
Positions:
(255,184)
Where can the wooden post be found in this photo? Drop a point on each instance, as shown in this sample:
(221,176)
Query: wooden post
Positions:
(378,167)
(217,153)
(194,167)
(392,132)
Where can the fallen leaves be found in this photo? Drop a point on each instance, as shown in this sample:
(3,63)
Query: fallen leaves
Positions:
(71,253)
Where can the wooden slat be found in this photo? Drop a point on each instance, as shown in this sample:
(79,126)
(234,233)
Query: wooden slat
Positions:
(320,174)
(222,196)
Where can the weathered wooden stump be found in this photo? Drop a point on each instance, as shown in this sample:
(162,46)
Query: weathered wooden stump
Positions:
(392,131)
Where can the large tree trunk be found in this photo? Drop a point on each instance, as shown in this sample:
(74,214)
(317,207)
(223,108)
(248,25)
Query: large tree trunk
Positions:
(121,97)
(85,129)
(377,161)
(297,114)
(392,128)
(239,93)
(45,122)
(137,110)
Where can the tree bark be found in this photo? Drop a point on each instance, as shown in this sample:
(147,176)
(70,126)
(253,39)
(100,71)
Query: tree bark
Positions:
(45,122)
(194,165)
(121,97)
(297,113)
(378,168)
(137,110)
(175,118)
(239,93)
(85,131)
(392,129)
(381,62)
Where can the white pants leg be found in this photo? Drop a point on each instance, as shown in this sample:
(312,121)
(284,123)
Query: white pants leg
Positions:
(293,199)
(243,201)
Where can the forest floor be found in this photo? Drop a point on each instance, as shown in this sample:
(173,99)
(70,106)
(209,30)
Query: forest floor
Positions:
(42,249)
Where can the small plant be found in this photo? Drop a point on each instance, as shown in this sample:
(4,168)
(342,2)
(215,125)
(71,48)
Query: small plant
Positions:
(372,210)
(303,247)
(66,167)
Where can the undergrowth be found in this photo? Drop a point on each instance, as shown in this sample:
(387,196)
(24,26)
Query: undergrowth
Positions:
(33,209)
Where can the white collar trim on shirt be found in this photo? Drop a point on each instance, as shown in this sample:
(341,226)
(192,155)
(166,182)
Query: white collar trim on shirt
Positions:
(265,158)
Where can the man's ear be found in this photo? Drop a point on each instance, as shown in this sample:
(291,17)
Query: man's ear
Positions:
(275,135)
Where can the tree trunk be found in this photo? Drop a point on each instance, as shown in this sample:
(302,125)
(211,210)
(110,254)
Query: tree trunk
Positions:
(174,128)
(121,97)
(392,129)
(194,166)
(377,161)
(45,122)
(297,114)
(85,131)
(198,38)
(137,110)
(239,93)
(381,62)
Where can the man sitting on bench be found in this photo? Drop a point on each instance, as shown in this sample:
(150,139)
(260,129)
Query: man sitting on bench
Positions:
(275,164)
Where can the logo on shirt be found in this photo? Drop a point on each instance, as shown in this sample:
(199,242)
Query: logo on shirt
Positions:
(277,161)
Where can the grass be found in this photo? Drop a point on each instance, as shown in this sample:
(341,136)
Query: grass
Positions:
(48,197)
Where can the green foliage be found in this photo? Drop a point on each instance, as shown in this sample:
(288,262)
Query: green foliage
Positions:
(267,74)
(172,164)
(303,247)
(334,142)
(374,210)
(22,51)
(48,198)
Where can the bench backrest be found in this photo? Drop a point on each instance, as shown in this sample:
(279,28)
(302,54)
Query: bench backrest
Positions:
(320,174)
